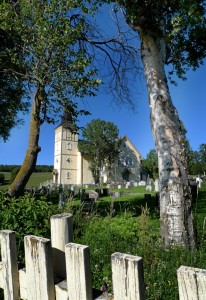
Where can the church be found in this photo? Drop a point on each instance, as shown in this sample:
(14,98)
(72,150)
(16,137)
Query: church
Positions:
(72,167)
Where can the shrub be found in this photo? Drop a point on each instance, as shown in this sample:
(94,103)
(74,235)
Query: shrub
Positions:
(14,172)
(2,178)
(25,215)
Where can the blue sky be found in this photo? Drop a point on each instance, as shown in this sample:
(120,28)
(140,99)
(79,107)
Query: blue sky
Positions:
(189,98)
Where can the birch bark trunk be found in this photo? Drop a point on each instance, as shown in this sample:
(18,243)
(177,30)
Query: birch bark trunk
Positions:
(29,163)
(175,194)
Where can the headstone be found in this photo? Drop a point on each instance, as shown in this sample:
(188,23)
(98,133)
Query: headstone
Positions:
(156,185)
(135,184)
(127,185)
(149,188)
(142,183)
(119,186)
(93,195)
(199,181)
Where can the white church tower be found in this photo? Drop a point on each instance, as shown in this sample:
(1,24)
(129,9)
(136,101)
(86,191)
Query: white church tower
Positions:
(70,167)
(66,154)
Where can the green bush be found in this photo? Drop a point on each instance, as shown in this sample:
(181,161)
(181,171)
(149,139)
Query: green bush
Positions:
(26,215)
(14,172)
(2,178)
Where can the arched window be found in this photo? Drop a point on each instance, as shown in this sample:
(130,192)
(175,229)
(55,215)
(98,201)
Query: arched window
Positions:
(69,175)
(69,146)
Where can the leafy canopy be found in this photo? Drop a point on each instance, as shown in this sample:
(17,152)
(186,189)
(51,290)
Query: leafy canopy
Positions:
(54,56)
(11,87)
(150,164)
(100,143)
(182,24)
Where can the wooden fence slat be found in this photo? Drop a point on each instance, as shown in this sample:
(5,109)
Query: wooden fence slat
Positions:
(39,268)
(127,277)
(78,272)
(10,276)
(191,283)
(61,234)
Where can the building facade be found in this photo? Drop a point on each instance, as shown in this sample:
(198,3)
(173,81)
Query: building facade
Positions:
(71,167)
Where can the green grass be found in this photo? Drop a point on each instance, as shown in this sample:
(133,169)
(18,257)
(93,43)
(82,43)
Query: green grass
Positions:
(134,229)
(34,181)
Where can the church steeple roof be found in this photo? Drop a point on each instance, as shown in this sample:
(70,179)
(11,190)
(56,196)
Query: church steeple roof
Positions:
(67,121)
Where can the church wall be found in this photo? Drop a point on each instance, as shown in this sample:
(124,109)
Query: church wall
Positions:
(127,166)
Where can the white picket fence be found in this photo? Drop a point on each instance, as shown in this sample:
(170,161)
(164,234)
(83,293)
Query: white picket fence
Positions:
(48,261)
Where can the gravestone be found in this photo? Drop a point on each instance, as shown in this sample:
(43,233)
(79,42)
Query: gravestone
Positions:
(149,188)
(93,195)
(142,183)
(156,185)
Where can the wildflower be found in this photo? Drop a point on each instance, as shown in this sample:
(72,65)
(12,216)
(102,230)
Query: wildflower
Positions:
(104,288)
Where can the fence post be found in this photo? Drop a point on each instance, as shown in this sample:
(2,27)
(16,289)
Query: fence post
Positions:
(127,277)
(191,283)
(10,275)
(61,234)
(39,269)
(78,272)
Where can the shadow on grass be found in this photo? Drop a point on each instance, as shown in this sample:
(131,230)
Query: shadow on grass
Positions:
(109,206)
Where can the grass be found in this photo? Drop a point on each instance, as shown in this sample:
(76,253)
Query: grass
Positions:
(34,181)
(130,224)
(134,229)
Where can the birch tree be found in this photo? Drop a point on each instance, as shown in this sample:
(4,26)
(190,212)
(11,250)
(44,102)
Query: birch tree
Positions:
(170,32)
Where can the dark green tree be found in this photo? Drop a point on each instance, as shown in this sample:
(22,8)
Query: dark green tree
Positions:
(171,33)
(11,86)
(58,41)
(150,164)
(55,68)
(101,144)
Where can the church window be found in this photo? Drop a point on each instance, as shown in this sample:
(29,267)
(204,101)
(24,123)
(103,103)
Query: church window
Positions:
(69,160)
(129,162)
(69,175)
(70,146)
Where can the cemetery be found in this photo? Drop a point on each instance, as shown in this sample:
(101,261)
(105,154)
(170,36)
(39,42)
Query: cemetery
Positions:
(105,224)
(102,247)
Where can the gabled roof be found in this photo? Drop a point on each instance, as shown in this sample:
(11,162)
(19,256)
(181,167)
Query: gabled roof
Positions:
(124,137)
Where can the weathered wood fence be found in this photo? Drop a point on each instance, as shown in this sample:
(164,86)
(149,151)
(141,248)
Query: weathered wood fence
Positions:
(59,269)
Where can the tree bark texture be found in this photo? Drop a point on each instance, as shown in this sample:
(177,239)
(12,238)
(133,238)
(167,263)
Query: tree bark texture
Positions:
(29,163)
(175,194)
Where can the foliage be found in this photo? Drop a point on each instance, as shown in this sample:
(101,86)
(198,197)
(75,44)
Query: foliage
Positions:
(197,161)
(38,168)
(182,25)
(11,86)
(100,144)
(150,164)
(54,58)
(139,235)
(14,172)
(2,178)
(25,215)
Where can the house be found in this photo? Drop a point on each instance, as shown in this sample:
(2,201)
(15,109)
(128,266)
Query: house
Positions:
(71,167)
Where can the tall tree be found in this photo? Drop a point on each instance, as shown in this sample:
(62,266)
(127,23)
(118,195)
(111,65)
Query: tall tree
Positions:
(171,32)
(58,43)
(11,86)
(55,68)
(150,164)
(101,143)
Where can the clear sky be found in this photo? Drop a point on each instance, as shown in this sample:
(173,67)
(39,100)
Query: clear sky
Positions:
(189,98)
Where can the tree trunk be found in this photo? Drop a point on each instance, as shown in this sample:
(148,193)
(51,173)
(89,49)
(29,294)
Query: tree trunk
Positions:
(29,163)
(175,194)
